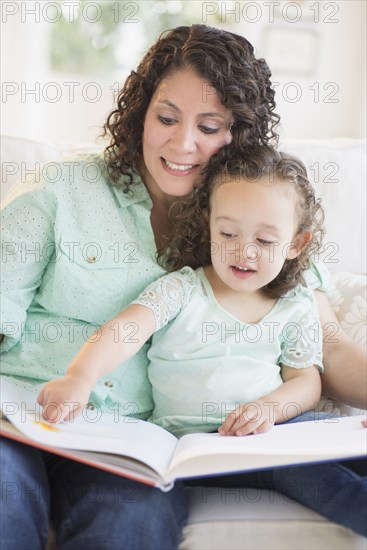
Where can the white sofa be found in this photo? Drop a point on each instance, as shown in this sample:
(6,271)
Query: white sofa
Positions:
(247,518)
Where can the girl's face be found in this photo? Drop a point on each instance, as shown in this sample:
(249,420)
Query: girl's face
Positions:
(252,229)
(185,125)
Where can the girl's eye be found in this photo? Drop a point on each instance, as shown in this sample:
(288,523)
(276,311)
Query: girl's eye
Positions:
(166,120)
(208,130)
(265,242)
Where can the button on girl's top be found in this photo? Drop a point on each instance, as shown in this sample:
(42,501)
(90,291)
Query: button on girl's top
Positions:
(75,252)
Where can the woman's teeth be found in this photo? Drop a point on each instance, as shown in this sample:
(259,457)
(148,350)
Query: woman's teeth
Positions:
(180,167)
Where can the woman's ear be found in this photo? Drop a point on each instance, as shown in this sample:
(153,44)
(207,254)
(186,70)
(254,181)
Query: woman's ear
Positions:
(299,243)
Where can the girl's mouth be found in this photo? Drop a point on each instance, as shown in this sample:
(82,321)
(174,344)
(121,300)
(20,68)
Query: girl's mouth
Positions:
(242,272)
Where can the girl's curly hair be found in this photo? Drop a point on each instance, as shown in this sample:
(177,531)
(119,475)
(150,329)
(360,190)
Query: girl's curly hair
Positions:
(224,59)
(189,243)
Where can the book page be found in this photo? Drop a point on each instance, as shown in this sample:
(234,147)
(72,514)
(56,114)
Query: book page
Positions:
(285,444)
(101,432)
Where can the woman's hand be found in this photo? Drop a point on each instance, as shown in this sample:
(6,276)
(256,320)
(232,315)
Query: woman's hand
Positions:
(251,418)
(64,398)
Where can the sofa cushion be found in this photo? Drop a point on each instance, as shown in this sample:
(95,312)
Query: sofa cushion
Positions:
(20,156)
(349,301)
(257,519)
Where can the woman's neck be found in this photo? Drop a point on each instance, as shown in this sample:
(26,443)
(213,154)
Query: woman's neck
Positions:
(160,209)
(160,223)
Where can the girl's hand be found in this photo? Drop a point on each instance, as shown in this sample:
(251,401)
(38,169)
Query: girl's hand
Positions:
(252,418)
(64,398)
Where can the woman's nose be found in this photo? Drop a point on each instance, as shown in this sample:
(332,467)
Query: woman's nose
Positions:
(183,139)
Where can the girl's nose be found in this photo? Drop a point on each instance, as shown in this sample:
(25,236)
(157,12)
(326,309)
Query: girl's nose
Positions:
(251,251)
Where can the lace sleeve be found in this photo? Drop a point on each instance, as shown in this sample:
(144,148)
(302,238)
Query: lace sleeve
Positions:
(302,338)
(167,296)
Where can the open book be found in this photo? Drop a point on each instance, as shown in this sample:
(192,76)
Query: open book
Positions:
(145,452)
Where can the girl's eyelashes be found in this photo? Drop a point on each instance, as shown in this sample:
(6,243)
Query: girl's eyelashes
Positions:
(265,242)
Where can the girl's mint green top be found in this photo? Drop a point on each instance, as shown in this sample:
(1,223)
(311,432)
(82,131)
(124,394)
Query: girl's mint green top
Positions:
(75,252)
(204,362)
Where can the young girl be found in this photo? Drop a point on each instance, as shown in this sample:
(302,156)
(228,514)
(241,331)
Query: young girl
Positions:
(237,335)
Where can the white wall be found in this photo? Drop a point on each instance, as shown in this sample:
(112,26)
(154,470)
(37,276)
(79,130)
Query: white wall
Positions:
(333,97)
(318,62)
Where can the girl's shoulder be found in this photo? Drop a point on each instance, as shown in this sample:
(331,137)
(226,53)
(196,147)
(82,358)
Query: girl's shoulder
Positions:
(318,277)
(296,305)
(185,276)
(299,294)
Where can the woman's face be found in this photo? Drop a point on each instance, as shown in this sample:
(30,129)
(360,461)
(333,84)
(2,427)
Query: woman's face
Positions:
(185,125)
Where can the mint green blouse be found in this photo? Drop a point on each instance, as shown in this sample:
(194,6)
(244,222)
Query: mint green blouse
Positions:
(75,251)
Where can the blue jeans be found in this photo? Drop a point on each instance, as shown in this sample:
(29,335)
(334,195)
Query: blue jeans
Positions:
(335,490)
(89,508)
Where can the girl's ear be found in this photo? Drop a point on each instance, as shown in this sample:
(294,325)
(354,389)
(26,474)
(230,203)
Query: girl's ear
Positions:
(299,243)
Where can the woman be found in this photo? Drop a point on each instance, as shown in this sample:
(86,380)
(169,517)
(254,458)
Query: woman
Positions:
(81,243)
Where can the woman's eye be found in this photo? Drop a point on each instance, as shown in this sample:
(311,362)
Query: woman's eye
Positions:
(227,235)
(208,130)
(166,120)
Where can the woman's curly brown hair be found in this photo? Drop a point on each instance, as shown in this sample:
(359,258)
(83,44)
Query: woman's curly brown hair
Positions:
(224,59)
(189,244)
